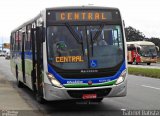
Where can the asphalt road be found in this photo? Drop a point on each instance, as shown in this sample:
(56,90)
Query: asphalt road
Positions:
(143,94)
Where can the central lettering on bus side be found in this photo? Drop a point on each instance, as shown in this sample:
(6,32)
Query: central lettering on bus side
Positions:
(62,59)
(82,16)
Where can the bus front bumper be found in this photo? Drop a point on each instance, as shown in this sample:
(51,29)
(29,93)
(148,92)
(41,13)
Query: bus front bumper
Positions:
(52,93)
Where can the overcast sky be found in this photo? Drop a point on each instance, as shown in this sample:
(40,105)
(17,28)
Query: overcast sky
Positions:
(143,15)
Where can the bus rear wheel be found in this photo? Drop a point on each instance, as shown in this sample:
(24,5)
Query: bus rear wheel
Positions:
(135,62)
(40,99)
(20,84)
(148,63)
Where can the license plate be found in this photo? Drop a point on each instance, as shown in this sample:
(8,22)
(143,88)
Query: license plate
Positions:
(89,96)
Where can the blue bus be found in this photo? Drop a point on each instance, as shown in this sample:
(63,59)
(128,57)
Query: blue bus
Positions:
(71,53)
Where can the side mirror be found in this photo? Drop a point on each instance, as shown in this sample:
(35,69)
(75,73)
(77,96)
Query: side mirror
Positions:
(124,23)
(157,48)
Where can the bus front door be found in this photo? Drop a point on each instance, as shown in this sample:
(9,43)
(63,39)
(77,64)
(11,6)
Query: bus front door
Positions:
(37,63)
(23,58)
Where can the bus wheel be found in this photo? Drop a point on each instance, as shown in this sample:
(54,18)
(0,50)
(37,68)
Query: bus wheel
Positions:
(135,62)
(33,81)
(148,63)
(19,83)
(40,99)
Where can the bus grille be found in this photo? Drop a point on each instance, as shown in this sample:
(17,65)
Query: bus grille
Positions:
(87,75)
(99,92)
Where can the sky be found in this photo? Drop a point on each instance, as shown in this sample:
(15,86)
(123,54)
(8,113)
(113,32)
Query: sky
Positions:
(143,15)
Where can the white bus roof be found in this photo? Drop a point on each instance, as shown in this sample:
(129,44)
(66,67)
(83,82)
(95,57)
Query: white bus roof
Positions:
(141,43)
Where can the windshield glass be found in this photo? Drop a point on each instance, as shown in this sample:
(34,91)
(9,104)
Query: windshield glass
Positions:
(148,50)
(84,47)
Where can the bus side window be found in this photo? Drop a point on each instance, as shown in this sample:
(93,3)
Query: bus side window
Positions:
(26,43)
(12,41)
(29,39)
(16,41)
(12,44)
(20,41)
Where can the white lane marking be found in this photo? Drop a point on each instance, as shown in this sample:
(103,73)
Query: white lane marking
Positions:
(150,87)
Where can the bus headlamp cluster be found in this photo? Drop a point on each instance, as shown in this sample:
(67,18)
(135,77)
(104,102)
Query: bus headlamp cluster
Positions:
(54,81)
(121,77)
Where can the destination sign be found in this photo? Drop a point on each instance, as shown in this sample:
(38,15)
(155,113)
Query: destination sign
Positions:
(83,16)
(80,15)
(62,59)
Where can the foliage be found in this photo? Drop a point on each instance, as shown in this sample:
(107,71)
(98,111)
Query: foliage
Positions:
(148,72)
(6,45)
(133,34)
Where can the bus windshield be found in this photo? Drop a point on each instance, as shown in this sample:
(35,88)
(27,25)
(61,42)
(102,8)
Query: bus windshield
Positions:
(85,46)
(148,51)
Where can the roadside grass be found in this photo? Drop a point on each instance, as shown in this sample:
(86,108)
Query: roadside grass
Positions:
(147,72)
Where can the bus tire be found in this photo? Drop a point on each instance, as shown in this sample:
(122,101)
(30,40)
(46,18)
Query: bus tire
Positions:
(40,99)
(135,62)
(19,83)
(33,81)
(148,63)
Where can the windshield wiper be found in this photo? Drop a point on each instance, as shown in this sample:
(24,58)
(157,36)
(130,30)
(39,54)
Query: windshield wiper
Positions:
(98,33)
(75,35)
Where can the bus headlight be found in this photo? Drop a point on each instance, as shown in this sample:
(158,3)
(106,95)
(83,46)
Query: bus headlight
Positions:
(121,77)
(54,81)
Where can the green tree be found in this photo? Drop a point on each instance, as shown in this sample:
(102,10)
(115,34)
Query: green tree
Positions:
(6,45)
(133,34)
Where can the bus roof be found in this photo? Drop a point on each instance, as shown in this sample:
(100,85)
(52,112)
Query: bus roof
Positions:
(81,7)
(141,43)
(65,8)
